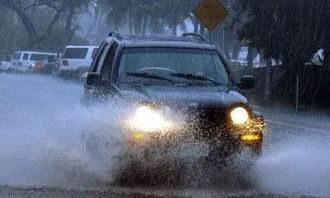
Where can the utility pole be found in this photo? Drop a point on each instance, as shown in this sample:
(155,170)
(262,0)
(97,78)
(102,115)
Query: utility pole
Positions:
(268,81)
(297,92)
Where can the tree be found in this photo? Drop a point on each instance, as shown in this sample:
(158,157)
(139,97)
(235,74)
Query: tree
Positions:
(11,32)
(290,31)
(140,16)
(54,9)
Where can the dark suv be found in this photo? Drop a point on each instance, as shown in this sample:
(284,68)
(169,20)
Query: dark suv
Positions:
(181,92)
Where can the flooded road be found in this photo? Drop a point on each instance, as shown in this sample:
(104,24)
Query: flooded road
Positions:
(41,121)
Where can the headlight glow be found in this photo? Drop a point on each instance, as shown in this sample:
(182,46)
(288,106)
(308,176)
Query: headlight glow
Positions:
(147,119)
(239,115)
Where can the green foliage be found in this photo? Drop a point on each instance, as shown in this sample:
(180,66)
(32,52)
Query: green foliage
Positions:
(288,30)
(41,24)
(141,16)
(11,33)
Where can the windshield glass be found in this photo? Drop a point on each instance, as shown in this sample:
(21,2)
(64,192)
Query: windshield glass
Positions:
(167,61)
(39,57)
(75,53)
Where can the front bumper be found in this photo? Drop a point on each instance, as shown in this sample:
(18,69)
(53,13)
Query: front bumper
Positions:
(227,138)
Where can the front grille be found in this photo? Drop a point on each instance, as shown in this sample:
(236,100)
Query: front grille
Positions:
(206,123)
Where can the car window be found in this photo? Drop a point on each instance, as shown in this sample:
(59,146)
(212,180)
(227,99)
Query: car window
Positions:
(102,58)
(17,56)
(25,56)
(164,61)
(39,57)
(94,52)
(75,53)
(98,54)
(108,63)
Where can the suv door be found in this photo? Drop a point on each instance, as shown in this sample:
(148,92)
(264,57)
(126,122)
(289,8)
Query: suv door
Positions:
(25,60)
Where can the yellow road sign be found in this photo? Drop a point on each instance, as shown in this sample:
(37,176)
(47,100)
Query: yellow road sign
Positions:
(210,13)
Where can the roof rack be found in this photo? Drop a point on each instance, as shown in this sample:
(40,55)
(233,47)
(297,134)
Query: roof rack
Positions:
(194,35)
(114,34)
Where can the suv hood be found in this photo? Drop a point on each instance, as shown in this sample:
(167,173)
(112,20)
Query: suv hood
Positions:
(198,96)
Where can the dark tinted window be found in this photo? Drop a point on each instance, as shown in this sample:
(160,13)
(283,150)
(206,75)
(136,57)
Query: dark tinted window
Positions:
(102,58)
(96,59)
(107,66)
(75,53)
(26,56)
(39,57)
(94,52)
(17,56)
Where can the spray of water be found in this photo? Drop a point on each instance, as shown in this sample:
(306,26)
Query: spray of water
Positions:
(41,127)
(299,164)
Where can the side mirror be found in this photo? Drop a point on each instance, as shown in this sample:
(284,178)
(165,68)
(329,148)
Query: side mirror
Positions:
(93,79)
(247,82)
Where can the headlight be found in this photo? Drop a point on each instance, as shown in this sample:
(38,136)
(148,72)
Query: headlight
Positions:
(147,119)
(239,115)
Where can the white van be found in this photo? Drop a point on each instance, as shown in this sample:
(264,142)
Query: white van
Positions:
(26,60)
(76,60)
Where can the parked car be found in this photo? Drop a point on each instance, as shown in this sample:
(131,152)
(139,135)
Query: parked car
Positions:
(43,67)
(75,61)
(25,61)
(183,75)
(4,65)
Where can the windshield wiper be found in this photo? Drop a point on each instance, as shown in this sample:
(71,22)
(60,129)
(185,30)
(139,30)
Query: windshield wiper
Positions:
(149,75)
(194,77)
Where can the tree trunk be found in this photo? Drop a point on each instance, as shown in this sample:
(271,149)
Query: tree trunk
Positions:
(236,49)
(92,25)
(130,24)
(252,53)
(195,25)
(144,25)
(202,29)
(28,26)
(174,29)
(69,31)
(268,82)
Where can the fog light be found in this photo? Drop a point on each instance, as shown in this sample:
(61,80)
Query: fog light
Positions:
(250,137)
(137,137)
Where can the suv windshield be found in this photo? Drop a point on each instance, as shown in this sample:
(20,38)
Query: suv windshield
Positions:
(168,62)
(75,53)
